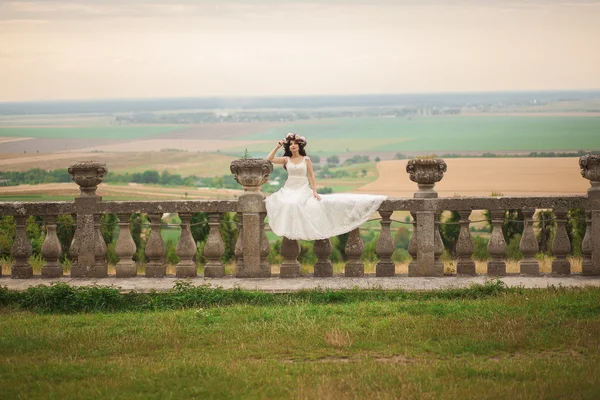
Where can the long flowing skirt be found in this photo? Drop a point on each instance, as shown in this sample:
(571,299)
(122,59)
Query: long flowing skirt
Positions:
(296,214)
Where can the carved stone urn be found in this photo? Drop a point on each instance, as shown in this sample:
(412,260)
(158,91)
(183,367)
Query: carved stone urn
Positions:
(88,175)
(251,173)
(426,172)
(590,169)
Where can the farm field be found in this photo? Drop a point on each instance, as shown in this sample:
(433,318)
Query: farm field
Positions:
(482,176)
(445,134)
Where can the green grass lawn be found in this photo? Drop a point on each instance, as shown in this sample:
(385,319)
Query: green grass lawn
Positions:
(442,134)
(90,132)
(504,344)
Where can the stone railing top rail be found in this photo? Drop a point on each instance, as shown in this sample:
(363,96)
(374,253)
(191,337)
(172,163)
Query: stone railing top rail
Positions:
(217,206)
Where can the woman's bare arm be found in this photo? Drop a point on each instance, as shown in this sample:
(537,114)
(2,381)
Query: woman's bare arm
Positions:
(311,178)
(271,157)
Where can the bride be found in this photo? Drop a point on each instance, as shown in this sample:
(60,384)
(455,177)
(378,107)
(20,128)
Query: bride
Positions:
(298,212)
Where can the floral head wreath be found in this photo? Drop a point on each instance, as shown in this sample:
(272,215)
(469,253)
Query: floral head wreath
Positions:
(297,138)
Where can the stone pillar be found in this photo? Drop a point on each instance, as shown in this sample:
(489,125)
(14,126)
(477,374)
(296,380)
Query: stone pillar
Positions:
(426,172)
(529,245)
(438,265)
(100,267)
(186,249)
(354,248)
(74,248)
(385,247)
(125,249)
(425,244)
(323,266)
(412,247)
(497,245)
(465,246)
(238,252)
(88,175)
(265,248)
(21,250)
(251,173)
(561,246)
(214,249)
(290,267)
(586,248)
(155,249)
(51,250)
(595,239)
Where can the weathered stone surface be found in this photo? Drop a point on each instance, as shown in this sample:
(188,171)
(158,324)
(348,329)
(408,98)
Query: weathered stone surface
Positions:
(323,266)
(595,238)
(587,268)
(426,172)
(265,247)
(385,247)
(21,251)
(438,249)
(497,245)
(155,249)
(214,249)
(88,175)
(412,247)
(86,235)
(465,246)
(51,250)
(238,252)
(290,267)
(529,245)
(74,253)
(100,267)
(561,246)
(425,245)
(186,248)
(125,249)
(168,206)
(354,248)
(37,208)
(251,173)
(590,169)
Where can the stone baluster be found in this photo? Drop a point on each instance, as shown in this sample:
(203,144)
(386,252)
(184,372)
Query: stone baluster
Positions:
(21,250)
(290,267)
(385,247)
(438,265)
(88,175)
(412,247)
(238,252)
(100,267)
(529,245)
(354,248)
(125,249)
(497,245)
(465,246)
(561,246)
(252,173)
(586,248)
(265,247)
(323,266)
(51,250)
(155,249)
(214,248)
(186,249)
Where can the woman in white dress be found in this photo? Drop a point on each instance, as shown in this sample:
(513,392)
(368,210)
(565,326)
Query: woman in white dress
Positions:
(297,211)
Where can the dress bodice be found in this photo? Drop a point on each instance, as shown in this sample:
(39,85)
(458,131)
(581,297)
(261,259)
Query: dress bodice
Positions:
(296,170)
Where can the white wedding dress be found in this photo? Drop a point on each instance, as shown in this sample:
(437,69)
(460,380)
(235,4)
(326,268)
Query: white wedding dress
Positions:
(295,213)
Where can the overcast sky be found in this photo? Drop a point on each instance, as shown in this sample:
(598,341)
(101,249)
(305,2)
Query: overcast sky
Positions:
(90,49)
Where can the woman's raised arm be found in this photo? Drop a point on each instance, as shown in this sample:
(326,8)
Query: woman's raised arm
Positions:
(271,157)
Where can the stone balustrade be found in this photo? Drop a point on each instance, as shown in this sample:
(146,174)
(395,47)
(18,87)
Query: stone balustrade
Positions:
(88,250)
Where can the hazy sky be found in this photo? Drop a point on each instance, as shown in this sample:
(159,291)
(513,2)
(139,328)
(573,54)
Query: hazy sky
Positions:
(86,49)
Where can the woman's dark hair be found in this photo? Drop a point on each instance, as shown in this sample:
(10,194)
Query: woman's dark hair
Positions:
(287,152)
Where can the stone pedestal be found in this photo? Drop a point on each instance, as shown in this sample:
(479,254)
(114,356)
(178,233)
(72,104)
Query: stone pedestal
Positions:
(426,172)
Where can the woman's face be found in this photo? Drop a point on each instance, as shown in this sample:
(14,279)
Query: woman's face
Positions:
(294,146)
